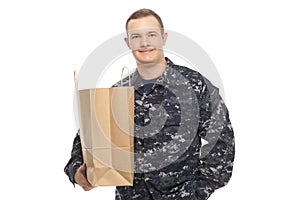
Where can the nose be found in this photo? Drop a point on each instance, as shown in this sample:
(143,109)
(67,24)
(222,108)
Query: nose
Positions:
(145,41)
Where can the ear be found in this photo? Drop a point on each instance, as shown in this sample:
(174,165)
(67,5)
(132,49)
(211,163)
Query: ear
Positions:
(165,36)
(127,42)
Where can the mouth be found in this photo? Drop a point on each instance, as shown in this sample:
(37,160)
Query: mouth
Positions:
(144,51)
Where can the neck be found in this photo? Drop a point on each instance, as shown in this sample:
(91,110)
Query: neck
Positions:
(151,70)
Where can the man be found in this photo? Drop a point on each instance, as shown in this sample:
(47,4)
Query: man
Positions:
(184,142)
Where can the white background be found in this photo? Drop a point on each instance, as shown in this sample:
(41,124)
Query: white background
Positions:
(255,46)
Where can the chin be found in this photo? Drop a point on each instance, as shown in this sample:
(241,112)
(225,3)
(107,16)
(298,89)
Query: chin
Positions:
(146,59)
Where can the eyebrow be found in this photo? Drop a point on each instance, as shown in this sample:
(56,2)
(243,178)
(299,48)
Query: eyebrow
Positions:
(152,32)
(136,33)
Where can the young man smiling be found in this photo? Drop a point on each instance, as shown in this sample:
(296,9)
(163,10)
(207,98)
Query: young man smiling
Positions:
(184,141)
(146,38)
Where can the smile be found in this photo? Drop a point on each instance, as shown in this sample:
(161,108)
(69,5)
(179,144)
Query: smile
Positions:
(145,50)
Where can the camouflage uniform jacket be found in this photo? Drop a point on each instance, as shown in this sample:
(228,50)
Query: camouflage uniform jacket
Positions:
(184,141)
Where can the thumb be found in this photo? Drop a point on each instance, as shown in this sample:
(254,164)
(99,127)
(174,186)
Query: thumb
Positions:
(82,168)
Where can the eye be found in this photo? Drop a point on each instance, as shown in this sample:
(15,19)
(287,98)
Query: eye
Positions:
(135,36)
(152,35)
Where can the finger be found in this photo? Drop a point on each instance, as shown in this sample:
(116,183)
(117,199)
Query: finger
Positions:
(80,176)
(82,179)
(87,188)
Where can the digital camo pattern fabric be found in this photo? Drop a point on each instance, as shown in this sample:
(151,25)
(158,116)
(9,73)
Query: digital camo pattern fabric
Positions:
(184,141)
(76,158)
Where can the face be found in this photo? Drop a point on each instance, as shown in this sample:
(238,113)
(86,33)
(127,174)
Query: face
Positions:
(146,40)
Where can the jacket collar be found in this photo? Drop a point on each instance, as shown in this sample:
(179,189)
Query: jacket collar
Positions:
(138,84)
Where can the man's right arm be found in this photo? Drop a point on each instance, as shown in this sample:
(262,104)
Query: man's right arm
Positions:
(76,159)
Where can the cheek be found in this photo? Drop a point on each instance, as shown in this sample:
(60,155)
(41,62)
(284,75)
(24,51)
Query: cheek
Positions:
(135,54)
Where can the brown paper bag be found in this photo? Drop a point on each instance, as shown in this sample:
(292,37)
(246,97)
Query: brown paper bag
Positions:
(106,133)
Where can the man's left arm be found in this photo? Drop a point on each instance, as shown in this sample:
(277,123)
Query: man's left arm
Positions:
(217,143)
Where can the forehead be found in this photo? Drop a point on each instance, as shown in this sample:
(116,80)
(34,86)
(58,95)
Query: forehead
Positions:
(143,31)
(148,22)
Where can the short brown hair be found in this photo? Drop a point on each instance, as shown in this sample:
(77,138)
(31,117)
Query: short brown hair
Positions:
(144,12)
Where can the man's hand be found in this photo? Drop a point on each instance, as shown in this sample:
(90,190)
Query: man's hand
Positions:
(80,178)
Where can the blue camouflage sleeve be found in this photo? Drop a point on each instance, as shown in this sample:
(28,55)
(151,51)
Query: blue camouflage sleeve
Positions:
(217,143)
(76,159)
